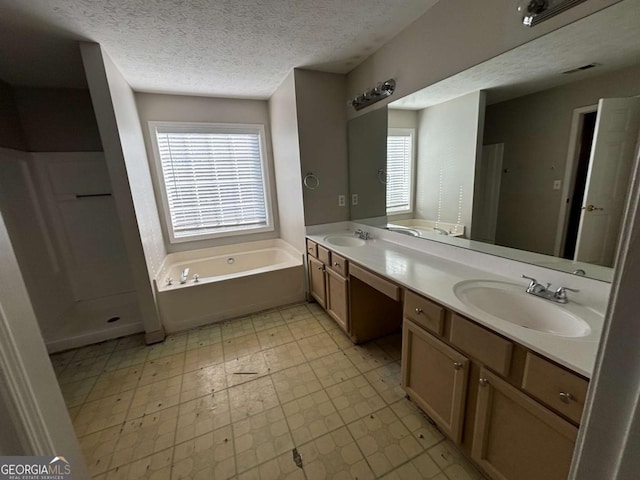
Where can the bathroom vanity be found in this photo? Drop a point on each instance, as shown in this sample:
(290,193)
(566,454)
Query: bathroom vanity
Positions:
(510,397)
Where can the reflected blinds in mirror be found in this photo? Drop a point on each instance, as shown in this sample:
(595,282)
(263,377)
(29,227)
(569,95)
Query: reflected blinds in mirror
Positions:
(399,170)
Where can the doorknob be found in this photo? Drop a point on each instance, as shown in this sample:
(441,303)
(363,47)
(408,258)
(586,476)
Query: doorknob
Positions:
(591,208)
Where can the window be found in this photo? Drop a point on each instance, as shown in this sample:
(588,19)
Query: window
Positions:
(213,179)
(399,170)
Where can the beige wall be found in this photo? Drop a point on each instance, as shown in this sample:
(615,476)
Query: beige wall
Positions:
(535,130)
(125,153)
(286,157)
(57,119)
(322,132)
(183,108)
(450,37)
(11,135)
(448,136)
(403,118)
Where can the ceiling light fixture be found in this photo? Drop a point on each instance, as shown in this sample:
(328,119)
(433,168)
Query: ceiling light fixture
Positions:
(375,94)
(537,11)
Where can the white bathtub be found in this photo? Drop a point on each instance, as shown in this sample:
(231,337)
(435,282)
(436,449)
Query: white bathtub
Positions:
(234,280)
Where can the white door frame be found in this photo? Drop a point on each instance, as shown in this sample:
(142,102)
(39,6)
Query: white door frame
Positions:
(569,179)
(32,392)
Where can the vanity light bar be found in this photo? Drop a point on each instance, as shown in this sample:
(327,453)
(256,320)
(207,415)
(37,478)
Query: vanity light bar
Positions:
(538,11)
(375,94)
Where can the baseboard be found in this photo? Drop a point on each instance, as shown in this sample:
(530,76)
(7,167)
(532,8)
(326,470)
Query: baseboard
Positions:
(89,338)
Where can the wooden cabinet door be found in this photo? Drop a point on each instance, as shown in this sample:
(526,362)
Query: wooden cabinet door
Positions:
(435,377)
(317,283)
(338,299)
(516,438)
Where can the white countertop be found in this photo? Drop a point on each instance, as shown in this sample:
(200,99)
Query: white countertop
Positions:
(435,277)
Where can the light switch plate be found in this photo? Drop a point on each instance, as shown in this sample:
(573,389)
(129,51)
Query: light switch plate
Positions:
(341,200)
(354,199)
(557,184)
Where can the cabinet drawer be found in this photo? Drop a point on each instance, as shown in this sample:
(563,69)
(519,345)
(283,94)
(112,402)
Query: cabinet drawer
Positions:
(383,286)
(555,386)
(312,248)
(488,348)
(423,312)
(323,255)
(339,264)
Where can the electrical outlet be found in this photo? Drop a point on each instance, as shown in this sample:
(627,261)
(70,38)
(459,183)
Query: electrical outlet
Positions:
(354,199)
(341,200)
(557,184)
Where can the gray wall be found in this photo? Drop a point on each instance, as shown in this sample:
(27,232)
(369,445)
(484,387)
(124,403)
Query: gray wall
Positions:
(57,119)
(286,156)
(183,108)
(447,146)
(367,155)
(535,130)
(450,37)
(11,135)
(322,131)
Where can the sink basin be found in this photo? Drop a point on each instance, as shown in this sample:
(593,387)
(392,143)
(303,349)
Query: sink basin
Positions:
(344,241)
(510,303)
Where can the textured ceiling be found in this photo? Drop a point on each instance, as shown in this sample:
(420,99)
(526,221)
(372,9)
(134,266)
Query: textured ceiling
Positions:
(219,48)
(610,37)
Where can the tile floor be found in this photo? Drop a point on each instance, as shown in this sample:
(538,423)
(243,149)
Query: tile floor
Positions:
(233,400)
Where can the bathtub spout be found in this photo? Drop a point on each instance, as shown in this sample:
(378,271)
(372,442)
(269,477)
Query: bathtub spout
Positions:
(184,276)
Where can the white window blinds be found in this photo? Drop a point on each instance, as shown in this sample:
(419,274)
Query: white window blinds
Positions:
(399,166)
(213,180)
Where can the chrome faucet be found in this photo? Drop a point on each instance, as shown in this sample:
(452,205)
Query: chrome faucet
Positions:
(539,290)
(362,234)
(184,276)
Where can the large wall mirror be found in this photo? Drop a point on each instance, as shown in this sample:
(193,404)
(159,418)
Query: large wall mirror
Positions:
(527,155)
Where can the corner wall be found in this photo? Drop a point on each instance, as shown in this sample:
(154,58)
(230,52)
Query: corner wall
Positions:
(322,131)
(184,108)
(286,159)
(448,136)
(125,153)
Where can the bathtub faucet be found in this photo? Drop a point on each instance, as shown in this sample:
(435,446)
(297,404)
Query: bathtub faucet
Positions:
(183,277)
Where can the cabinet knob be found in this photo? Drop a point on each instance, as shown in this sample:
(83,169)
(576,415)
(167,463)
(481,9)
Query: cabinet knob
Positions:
(457,365)
(484,382)
(321,267)
(566,397)
(336,264)
(418,311)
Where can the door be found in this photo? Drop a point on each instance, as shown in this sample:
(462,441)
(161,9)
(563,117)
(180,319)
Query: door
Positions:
(317,282)
(487,194)
(435,377)
(612,158)
(338,298)
(516,438)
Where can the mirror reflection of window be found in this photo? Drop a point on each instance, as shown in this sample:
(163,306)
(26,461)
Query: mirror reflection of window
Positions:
(400,169)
